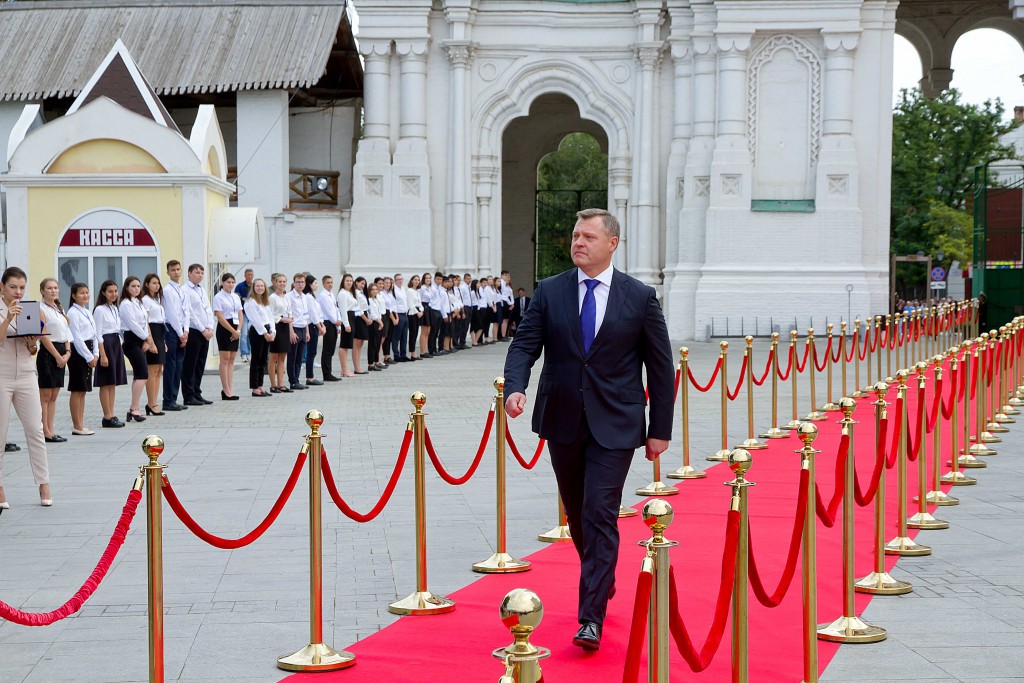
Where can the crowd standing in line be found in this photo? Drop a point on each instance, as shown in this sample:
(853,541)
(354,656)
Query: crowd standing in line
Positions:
(163,329)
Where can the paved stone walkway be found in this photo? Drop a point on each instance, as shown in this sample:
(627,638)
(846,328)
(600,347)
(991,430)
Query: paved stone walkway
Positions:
(230,613)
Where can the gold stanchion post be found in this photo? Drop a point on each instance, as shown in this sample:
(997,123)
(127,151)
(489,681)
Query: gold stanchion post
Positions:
(751,443)
(867,352)
(999,418)
(686,471)
(521,612)
(795,423)
(855,340)
(422,602)
(985,435)
(890,338)
(814,415)
(936,496)
(774,432)
(830,405)
(315,656)
(658,515)
(722,455)
(971,443)
(1015,384)
(922,519)
(807,433)
(626,512)
(903,544)
(1005,377)
(849,628)
(153,447)
(560,534)
(955,476)
(500,562)
(880,582)
(740,462)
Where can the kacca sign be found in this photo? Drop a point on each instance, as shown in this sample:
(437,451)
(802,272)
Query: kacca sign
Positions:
(107,237)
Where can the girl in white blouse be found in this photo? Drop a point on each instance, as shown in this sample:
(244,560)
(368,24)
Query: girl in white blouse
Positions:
(375,312)
(427,321)
(412,295)
(85,343)
(347,308)
(361,331)
(56,353)
(153,302)
(137,341)
(316,328)
(281,311)
(227,306)
(110,373)
(261,334)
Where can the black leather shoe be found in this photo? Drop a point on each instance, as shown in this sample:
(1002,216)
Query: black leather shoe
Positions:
(171,408)
(589,636)
(205,401)
(112,423)
(194,402)
(332,378)
(11,447)
(313,383)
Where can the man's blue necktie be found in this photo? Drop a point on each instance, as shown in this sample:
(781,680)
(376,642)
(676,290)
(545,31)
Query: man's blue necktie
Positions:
(588,315)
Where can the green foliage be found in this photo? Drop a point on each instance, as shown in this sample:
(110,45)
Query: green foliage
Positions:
(951,231)
(578,164)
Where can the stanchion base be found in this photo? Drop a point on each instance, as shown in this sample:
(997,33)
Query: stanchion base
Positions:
(958,478)
(881,583)
(720,456)
(421,604)
(987,436)
(791,426)
(501,563)
(831,407)
(981,449)
(815,416)
(907,547)
(859,394)
(925,520)
(940,498)
(560,534)
(1002,419)
(686,472)
(627,512)
(657,488)
(850,630)
(775,433)
(753,445)
(1015,400)
(316,657)
(1010,409)
(969,462)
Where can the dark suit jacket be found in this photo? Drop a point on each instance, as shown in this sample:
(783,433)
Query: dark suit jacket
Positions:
(608,381)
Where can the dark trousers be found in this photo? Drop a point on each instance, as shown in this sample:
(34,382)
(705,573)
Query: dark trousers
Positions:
(310,355)
(414,331)
(329,346)
(435,330)
(196,351)
(259,352)
(173,363)
(399,336)
(463,327)
(388,331)
(296,353)
(373,343)
(590,479)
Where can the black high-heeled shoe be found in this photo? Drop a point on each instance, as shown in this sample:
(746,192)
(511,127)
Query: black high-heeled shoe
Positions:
(150,411)
(225,397)
(133,416)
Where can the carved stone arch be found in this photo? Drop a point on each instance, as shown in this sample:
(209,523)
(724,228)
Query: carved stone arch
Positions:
(1012,28)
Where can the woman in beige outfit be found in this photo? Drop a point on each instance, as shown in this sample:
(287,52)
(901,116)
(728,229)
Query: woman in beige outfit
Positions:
(18,384)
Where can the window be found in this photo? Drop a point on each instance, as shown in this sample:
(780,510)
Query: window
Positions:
(105,244)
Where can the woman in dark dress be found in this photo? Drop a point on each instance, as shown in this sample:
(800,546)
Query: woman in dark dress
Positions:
(110,373)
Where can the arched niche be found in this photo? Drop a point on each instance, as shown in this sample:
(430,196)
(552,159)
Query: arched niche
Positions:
(105,156)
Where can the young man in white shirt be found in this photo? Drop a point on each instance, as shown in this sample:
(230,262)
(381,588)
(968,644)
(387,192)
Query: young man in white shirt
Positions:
(200,331)
(400,334)
(332,326)
(176,322)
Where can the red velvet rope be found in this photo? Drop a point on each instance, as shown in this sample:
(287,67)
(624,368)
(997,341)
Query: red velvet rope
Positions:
(936,405)
(783,376)
(789,571)
(975,365)
(864,498)
(874,343)
(839,350)
(827,513)
(897,434)
(9,613)
(824,363)
(914,448)
(698,661)
(459,481)
(332,487)
(515,451)
(675,390)
(711,382)
(767,369)
(854,346)
(801,365)
(227,543)
(739,380)
(638,627)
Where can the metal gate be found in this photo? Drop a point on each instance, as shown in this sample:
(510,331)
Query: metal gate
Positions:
(999,240)
(556,217)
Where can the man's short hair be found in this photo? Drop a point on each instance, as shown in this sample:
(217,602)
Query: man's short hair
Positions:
(522,289)
(196,266)
(172,263)
(247,271)
(611,223)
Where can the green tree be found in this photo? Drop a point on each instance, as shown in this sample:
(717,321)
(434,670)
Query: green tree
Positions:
(578,164)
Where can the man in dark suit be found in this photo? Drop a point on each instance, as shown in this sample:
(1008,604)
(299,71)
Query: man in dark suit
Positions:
(522,302)
(597,328)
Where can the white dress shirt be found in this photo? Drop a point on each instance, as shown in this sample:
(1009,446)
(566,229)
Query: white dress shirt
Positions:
(415,305)
(83,329)
(134,318)
(229,304)
(200,315)
(297,301)
(328,307)
(176,307)
(154,309)
(56,324)
(426,291)
(362,306)
(346,303)
(280,307)
(259,317)
(401,300)
(388,297)
(316,316)
(438,298)
(375,309)
(108,320)
(600,294)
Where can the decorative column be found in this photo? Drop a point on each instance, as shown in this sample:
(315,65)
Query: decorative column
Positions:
(460,249)
(620,173)
(837,174)
(644,258)
(376,106)
(484,177)
(413,128)
(731,168)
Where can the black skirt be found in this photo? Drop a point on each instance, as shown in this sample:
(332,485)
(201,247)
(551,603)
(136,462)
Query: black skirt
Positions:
(135,355)
(282,341)
(49,375)
(359,330)
(224,341)
(79,372)
(156,330)
(345,337)
(425,320)
(114,374)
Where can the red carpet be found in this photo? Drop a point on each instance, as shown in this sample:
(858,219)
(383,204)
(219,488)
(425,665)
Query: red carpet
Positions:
(458,645)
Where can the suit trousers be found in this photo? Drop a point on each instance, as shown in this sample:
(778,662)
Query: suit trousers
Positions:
(20,388)
(260,349)
(296,352)
(329,346)
(399,336)
(173,364)
(436,321)
(590,480)
(196,351)
(311,346)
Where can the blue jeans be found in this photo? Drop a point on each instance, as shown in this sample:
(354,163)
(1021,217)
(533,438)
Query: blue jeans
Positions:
(400,336)
(173,364)
(243,345)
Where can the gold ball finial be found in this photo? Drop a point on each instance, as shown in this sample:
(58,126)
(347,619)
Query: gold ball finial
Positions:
(153,447)
(829,328)
(807,432)
(749,340)
(793,334)
(881,388)
(499,384)
(657,515)
(775,336)
(937,359)
(920,367)
(683,352)
(418,399)
(810,331)
(314,419)
(847,405)
(740,461)
(521,607)
(724,345)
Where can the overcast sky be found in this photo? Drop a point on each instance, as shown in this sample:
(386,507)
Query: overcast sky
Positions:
(986,64)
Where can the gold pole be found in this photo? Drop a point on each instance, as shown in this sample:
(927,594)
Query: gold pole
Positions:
(857,391)
(1015,390)
(830,406)
(842,356)
(849,628)
(521,611)
(751,444)
(936,496)
(774,432)
(422,601)
(560,534)
(722,455)
(880,582)
(626,512)
(315,656)
(923,519)
(807,433)
(985,425)
(153,447)
(878,349)
(867,352)
(795,423)
(1005,376)
(972,446)
(999,418)
(500,562)
(814,415)
(955,476)
(908,324)
(889,338)
(903,544)
(739,463)
(686,471)
(658,515)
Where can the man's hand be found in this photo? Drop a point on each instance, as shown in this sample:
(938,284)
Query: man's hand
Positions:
(514,404)
(207,334)
(656,447)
